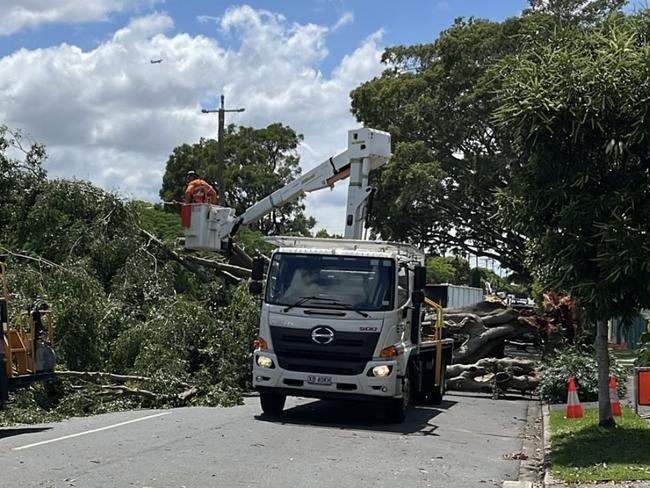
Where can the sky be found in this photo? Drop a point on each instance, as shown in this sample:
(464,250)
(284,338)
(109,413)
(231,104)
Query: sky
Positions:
(76,76)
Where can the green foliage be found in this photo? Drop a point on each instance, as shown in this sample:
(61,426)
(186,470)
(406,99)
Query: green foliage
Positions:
(231,353)
(576,11)
(67,218)
(257,162)
(19,178)
(323,234)
(580,364)
(79,304)
(55,401)
(643,352)
(500,284)
(164,225)
(437,102)
(251,240)
(576,106)
(120,304)
(447,269)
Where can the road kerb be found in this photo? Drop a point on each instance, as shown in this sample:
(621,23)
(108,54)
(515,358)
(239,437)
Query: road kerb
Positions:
(549,481)
(531,464)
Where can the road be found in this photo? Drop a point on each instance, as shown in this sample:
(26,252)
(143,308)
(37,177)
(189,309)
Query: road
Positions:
(315,444)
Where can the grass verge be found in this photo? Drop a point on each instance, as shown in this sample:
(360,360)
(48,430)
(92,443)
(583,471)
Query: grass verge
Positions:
(583,451)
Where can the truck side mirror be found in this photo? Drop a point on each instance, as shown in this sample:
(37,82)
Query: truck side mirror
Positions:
(255,287)
(420,278)
(257,273)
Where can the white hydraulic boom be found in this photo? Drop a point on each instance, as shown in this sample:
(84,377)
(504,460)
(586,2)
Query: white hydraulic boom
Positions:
(211,226)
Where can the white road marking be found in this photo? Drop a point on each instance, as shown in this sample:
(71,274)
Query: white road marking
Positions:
(90,431)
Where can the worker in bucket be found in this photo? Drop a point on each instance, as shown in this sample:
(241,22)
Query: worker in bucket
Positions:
(199,191)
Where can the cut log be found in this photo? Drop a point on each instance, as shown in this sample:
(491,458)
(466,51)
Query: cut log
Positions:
(482,367)
(480,340)
(492,375)
(187,395)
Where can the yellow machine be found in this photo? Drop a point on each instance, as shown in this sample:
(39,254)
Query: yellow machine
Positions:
(26,353)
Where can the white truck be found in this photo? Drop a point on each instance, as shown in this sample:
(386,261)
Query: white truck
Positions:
(340,318)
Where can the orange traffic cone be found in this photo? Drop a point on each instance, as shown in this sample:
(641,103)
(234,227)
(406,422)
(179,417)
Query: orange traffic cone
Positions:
(613,397)
(573,407)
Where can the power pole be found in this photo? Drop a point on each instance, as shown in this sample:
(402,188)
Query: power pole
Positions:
(220,163)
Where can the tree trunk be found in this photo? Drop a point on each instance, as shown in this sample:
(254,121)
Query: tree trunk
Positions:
(605,417)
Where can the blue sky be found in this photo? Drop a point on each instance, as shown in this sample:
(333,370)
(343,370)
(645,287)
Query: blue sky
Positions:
(403,22)
(75,74)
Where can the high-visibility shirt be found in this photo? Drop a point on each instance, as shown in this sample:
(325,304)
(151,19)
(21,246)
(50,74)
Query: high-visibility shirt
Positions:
(200,191)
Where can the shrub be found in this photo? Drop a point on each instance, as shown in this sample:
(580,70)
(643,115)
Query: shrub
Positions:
(643,353)
(580,364)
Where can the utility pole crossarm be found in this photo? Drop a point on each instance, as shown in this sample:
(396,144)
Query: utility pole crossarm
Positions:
(220,134)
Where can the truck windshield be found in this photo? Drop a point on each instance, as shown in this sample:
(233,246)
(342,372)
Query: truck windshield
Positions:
(318,281)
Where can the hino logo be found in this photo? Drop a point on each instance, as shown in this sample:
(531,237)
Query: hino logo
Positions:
(322,335)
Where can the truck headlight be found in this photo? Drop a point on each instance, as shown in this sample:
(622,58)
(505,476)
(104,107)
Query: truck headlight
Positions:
(264,362)
(381,371)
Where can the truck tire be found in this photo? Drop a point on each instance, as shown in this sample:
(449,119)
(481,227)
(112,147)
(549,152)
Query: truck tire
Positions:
(398,408)
(435,396)
(272,403)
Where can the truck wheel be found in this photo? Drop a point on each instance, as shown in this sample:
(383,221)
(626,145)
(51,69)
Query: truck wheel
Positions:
(399,407)
(272,403)
(435,397)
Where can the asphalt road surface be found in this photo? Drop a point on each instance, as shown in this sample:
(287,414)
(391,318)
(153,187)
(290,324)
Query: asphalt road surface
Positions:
(464,443)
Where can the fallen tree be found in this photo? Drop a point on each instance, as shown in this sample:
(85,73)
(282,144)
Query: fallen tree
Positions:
(481,330)
(96,382)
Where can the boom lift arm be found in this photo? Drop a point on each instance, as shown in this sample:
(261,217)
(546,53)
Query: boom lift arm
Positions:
(211,226)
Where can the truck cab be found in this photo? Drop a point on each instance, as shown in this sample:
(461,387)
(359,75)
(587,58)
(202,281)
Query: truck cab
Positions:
(342,319)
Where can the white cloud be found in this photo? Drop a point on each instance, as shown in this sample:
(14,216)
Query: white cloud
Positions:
(207,19)
(111,116)
(345,19)
(20,14)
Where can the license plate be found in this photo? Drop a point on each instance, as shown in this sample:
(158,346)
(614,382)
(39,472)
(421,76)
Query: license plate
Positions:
(319,380)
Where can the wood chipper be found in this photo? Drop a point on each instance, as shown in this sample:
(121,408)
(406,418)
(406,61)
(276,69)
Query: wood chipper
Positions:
(26,352)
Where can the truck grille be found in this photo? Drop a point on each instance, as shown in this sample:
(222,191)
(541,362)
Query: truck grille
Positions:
(347,354)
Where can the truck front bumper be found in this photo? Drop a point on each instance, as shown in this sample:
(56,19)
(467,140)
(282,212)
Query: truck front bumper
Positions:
(305,383)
